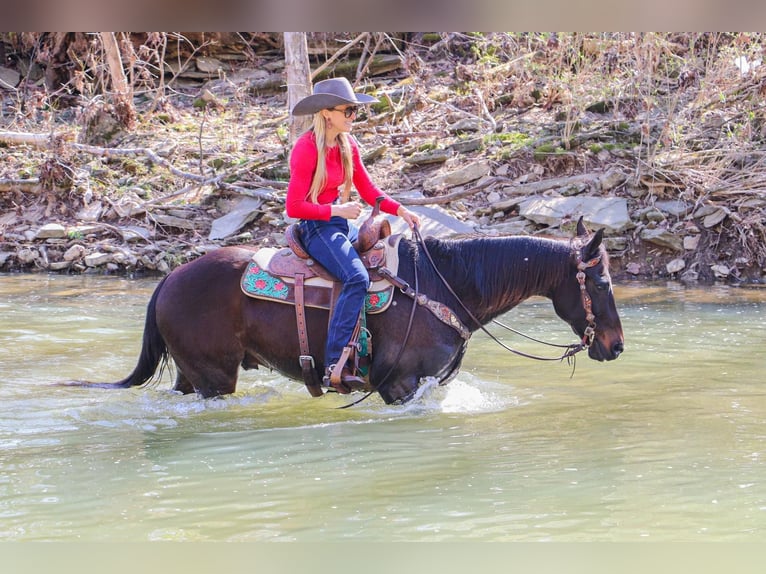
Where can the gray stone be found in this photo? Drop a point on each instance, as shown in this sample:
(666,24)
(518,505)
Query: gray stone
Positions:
(691,242)
(9,79)
(74,253)
(677,208)
(97,258)
(675,265)
(720,271)
(715,218)
(26,255)
(243,212)
(611,213)
(434,221)
(51,231)
(611,179)
(461,176)
(429,157)
(465,125)
(91,212)
(662,238)
(172,221)
(135,233)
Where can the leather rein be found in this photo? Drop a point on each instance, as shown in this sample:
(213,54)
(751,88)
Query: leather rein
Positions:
(447,316)
(572,349)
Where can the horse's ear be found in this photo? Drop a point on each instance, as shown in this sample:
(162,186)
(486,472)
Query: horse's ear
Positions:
(591,249)
(581,230)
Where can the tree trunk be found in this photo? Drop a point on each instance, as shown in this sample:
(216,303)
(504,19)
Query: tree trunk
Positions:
(123,98)
(298,79)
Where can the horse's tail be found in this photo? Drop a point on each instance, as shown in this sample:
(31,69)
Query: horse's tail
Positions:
(154,353)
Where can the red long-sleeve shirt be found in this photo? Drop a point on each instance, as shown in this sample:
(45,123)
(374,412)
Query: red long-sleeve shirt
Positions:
(303,161)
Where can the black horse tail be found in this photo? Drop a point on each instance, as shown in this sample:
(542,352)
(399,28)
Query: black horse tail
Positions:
(154,353)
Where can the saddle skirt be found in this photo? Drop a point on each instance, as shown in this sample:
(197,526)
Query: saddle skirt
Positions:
(270,275)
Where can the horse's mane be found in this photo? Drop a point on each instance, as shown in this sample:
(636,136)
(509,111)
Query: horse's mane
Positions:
(500,271)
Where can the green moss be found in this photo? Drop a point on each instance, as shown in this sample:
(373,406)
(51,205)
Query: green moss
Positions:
(545,150)
(515,140)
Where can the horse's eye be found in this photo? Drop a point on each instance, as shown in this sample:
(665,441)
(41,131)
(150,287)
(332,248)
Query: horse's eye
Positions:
(602,285)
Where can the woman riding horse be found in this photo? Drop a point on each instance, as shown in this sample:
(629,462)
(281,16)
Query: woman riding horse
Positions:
(323,159)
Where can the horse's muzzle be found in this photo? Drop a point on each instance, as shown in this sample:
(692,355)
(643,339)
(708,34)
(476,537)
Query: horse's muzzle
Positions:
(600,352)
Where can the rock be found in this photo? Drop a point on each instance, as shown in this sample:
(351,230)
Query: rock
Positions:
(9,79)
(74,253)
(517,227)
(610,213)
(611,179)
(26,256)
(468,145)
(428,157)
(662,238)
(720,271)
(465,125)
(243,212)
(172,221)
(715,218)
(633,268)
(51,231)
(91,212)
(676,208)
(134,233)
(209,65)
(675,265)
(691,242)
(461,176)
(434,221)
(97,258)
(59,265)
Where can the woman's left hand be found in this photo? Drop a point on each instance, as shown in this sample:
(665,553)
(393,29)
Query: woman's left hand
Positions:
(411,218)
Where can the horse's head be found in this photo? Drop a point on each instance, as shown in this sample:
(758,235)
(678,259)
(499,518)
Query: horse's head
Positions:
(585,299)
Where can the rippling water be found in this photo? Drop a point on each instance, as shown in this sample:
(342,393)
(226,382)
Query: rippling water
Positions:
(666,443)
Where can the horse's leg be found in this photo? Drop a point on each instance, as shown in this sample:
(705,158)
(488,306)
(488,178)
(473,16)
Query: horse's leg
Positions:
(400,390)
(209,378)
(182,384)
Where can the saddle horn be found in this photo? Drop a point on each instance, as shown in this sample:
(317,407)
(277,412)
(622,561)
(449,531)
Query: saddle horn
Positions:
(374,228)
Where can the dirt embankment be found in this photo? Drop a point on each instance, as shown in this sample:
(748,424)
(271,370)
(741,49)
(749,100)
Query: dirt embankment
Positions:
(658,138)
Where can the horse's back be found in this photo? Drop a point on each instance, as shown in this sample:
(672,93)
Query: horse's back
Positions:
(207,285)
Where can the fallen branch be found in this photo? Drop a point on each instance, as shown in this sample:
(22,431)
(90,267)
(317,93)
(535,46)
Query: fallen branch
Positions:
(31,185)
(455,195)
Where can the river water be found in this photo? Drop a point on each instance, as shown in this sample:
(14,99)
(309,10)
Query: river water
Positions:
(667,443)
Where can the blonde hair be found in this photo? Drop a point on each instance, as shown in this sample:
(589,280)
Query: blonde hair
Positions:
(320,173)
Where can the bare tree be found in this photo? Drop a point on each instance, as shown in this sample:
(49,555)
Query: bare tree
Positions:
(298,78)
(123,92)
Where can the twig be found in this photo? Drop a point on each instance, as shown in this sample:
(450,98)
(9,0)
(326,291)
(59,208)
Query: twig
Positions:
(338,54)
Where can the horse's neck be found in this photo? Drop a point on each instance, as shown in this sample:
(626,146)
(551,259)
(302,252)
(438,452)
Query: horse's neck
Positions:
(495,275)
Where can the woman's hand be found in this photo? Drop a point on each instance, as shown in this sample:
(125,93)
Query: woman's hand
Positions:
(349,210)
(409,217)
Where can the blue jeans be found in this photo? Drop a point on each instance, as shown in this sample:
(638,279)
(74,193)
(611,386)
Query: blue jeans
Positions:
(328,242)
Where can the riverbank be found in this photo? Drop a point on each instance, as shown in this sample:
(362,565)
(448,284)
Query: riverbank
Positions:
(503,136)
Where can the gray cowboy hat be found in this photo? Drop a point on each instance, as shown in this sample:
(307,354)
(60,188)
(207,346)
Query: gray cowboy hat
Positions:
(328,94)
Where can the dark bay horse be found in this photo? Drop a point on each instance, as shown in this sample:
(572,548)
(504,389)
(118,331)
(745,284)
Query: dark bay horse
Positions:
(199,316)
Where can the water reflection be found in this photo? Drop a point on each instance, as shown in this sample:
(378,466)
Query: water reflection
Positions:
(666,443)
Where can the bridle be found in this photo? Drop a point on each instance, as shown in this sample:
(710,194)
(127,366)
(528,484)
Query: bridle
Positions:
(572,349)
(587,302)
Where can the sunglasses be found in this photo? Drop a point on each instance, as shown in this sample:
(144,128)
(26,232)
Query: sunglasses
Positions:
(347,112)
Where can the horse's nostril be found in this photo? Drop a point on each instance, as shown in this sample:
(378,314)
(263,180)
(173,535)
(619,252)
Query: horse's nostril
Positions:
(618,348)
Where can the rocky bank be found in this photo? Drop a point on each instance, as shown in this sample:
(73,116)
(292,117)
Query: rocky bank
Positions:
(478,146)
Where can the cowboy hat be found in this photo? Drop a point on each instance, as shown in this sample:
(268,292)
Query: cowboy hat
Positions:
(328,94)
